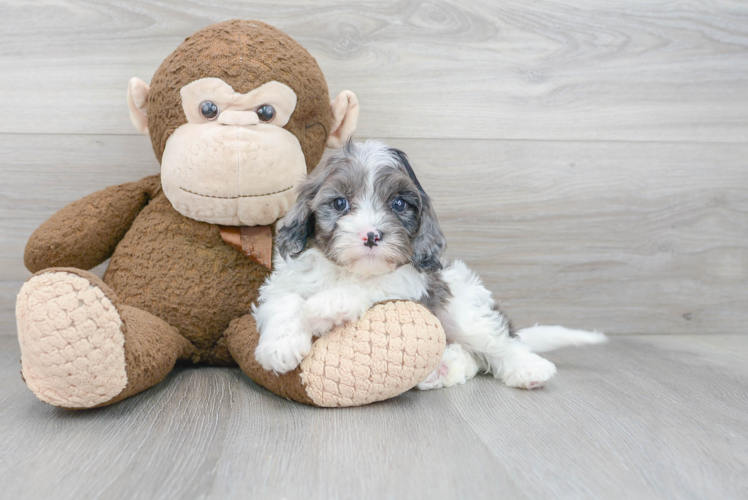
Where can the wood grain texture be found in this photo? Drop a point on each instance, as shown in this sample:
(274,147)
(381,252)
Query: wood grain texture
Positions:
(623,237)
(584,70)
(642,417)
(619,236)
(587,158)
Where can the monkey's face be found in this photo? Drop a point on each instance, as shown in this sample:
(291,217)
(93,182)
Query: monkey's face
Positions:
(233,163)
(237,115)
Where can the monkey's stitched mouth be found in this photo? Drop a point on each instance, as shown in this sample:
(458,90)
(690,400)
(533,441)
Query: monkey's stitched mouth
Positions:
(236,197)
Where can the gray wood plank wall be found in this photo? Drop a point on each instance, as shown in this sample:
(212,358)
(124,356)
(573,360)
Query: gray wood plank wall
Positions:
(589,159)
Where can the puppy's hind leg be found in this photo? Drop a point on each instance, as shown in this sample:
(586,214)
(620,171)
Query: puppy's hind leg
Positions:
(473,320)
(523,369)
(457,367)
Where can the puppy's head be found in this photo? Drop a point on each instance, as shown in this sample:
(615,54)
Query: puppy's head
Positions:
(367,212)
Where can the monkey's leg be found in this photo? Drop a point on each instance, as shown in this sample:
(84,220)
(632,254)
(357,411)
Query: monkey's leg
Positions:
(242,338)
(80,348)
(387,352)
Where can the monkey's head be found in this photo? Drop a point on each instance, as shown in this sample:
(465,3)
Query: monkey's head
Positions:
(237,115)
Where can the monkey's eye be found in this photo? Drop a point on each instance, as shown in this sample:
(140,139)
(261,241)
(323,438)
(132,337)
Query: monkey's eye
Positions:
(340,204)
(398,205)
(209,110)
(266,113)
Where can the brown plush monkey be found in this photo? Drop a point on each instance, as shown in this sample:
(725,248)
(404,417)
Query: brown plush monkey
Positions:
(237,115)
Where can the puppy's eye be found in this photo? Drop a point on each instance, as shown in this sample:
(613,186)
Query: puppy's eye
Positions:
(209,110)
(398,205)
(340,204)
(266,113)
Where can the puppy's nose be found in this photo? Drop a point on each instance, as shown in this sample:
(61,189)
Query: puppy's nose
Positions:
(372,238)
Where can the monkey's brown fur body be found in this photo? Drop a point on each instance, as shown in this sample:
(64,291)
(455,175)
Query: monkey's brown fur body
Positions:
(174,290)
(163,263)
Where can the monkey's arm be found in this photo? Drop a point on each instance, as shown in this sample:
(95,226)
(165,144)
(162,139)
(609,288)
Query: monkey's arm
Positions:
(85,233)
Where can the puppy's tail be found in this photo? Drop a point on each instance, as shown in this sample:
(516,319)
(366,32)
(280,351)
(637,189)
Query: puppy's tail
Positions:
(542,338)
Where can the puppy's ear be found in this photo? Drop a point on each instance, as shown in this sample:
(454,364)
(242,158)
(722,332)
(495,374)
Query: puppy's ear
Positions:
(429,243)
(299,222)
(403,159)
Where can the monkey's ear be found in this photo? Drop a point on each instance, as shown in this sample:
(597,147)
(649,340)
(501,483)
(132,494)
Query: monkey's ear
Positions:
(137,101)
(344,119)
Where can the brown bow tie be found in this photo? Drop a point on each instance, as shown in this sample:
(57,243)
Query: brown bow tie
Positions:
(256,242)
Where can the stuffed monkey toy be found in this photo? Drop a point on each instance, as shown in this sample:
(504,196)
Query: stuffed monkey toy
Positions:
(237,116)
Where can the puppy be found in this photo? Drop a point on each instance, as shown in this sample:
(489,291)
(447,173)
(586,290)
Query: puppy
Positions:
(364,231)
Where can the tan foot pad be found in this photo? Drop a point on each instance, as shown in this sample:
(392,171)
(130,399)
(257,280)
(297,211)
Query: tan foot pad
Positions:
(72,342)
(387,352)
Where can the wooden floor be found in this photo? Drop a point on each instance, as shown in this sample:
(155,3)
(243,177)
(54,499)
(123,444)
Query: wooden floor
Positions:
(641,417)
(589,159)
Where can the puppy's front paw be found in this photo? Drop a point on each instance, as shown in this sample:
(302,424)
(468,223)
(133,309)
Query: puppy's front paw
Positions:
(528,371)
(282,354)
(326,310)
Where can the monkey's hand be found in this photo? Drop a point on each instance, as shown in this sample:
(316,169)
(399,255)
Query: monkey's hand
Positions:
(334,307)
(85,233)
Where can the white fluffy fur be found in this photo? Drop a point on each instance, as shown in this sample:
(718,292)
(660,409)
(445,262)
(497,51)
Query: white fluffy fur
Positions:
(548,338)
(330,295)
(310,294)
(457,367)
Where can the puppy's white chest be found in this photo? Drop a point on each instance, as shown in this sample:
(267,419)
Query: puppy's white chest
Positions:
(316,274)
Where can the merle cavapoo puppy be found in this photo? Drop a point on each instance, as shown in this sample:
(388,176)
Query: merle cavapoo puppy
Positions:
(363,231)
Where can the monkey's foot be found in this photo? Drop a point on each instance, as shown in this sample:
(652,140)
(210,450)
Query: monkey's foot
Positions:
(72,339)
(393,347)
